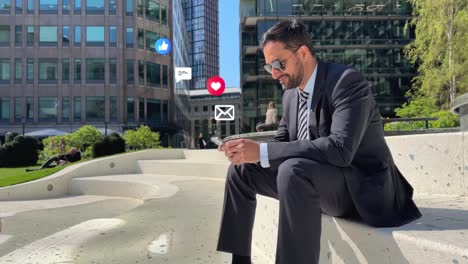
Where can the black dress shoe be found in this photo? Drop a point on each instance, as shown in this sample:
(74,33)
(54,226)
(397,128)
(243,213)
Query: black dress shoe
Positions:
(236,259)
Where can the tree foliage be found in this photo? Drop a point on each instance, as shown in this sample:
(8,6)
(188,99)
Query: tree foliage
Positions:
(141,138)
(439,50)
(84,137)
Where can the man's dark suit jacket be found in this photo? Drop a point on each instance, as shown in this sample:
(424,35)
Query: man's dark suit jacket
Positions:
(346,131)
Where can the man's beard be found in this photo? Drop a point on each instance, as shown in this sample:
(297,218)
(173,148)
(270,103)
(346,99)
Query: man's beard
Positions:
(294,80)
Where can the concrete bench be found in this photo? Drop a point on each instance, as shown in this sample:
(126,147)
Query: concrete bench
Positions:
(435,165)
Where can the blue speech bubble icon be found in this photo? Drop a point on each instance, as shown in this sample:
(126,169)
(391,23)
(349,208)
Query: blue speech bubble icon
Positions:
(163,46)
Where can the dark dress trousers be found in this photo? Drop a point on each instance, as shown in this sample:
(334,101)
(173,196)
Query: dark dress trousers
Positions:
(344,169)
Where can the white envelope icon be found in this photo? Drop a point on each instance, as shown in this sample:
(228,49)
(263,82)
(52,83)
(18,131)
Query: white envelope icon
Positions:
(224,112)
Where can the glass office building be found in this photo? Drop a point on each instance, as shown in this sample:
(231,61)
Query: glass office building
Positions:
(72,62)
(182,88)
(201,18)
(367,35)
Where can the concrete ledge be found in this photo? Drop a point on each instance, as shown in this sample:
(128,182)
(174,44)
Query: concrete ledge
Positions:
(56,185)
(439,237)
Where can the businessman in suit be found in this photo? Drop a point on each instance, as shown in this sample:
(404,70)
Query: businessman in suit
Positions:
(329,156)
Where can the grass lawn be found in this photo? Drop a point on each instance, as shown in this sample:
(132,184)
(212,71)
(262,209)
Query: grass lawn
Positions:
(11,176)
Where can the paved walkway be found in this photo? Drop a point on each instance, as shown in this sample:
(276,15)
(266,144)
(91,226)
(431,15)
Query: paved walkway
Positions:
(181,228)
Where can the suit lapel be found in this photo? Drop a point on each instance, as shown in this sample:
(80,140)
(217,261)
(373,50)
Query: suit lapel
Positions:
(314,117)
(318,86)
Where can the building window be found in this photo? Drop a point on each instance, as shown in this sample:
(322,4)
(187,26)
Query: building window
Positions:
(30,70)
(65,36)
(151,38)
(18,109)
(48,6)
(95,36)
(95,108)
(77,69)
(112,70)
(31,7)
(48,108)
(77,108)
(29,109)
(153,76)
(66,6)
(18,36)
(152,10)
(129,37)
(129,7)
(140,8)
(130,109)
(5,6)
(30,36)
(163,14)
(141,72)
(141,38)
(48,70)
(65,109)
(141,109)
(113,108)
(205,108)
(112,36)
(4,70)
(95,7)
(95,70)
(77,6)
(4,109)
(18,70)
(130,72)
(112,7)
(165,111)
(48,36)
(19,6)
(153,109)
(77,36)
(65,70)
(165,75)
(4,35)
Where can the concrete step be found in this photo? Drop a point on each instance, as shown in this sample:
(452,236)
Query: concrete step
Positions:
(215,169)
(135,186)
(440,236)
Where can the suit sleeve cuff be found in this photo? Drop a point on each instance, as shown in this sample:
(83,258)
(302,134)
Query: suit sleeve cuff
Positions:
(264,155)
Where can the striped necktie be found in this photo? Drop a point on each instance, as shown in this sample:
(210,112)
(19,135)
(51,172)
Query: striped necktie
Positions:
(302,131)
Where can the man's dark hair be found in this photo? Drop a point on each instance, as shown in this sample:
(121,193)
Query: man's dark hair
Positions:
(292,33)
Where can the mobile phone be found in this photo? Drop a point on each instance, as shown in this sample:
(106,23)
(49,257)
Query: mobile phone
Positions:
(217,141)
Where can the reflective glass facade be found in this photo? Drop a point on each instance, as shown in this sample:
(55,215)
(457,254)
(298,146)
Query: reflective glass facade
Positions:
(367,35)
(201,18)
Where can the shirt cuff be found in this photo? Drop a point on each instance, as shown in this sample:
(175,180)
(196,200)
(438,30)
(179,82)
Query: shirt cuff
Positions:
(264,155)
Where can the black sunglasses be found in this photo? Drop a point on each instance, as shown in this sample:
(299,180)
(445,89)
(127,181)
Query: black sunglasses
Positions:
(277,64)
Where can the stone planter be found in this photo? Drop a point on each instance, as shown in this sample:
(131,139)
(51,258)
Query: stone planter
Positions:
(460,107)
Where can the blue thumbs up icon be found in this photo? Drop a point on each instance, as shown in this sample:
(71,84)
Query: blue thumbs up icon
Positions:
(163,46)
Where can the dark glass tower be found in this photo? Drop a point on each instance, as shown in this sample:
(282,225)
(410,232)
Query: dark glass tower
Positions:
(201,18)
(367,35)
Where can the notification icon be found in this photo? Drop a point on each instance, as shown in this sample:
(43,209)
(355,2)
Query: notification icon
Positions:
(215,85)
(163,46)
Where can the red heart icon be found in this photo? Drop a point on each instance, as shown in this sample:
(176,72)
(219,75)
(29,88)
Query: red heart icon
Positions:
(215,85)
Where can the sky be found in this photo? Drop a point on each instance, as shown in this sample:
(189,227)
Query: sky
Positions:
(229,42)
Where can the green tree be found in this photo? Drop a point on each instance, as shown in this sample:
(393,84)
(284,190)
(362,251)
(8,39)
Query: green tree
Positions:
(439,50)
(84,137)
(141,138)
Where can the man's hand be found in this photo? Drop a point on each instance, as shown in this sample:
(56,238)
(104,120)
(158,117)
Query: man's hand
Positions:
(241,151)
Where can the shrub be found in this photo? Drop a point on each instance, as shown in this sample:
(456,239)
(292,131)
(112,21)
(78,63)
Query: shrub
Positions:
(141,138)
(108,145)
(84,137)
(10,137)
(22,151)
